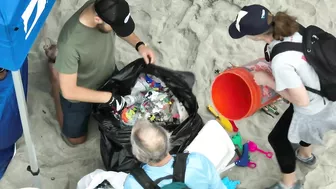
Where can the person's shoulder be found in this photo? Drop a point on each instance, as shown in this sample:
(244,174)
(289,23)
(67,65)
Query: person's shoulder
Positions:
(197,157)
(289,56)
(131,183)
(297,37)
(71,29)
(288,59)
(67,32)
(283,59)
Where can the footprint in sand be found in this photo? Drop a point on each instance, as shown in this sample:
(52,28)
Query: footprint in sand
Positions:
(49,116)
(161,5)
(306,6)
(331,25)
(193,43)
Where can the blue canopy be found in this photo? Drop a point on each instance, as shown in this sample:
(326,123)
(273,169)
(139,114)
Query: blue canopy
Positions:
(20,23)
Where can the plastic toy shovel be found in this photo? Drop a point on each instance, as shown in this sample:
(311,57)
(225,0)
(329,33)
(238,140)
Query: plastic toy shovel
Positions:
(253,147)
(227,124)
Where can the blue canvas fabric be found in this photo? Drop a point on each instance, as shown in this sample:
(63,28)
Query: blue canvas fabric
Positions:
(10,122)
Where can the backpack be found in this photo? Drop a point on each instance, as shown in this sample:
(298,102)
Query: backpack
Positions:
(179,165)
(319,49)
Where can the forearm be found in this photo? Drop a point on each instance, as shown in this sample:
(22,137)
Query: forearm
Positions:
(132,39)
(285,94)
(87,95)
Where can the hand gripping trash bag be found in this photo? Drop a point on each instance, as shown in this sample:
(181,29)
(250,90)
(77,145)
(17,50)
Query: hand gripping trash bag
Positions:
(115,142)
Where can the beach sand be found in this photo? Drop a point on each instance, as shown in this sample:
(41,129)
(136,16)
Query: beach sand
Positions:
(186,35)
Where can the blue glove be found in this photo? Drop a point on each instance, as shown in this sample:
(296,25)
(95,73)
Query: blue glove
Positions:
(230,184)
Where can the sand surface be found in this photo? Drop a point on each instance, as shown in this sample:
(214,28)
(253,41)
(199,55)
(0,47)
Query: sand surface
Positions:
(186,35)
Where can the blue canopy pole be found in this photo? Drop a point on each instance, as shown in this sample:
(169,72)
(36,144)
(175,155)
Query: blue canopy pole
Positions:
(20,23)
(21,100)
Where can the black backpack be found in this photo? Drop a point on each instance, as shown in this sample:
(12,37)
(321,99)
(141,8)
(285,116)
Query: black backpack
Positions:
(180,165)
(319,49)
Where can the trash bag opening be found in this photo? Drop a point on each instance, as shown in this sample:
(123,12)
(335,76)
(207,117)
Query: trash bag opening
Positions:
(115,138)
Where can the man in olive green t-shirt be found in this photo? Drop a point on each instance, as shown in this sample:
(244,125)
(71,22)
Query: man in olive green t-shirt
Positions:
(85,60)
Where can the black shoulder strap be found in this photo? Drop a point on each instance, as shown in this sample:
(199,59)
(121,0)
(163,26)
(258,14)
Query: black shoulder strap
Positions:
(301,29)
(143,179)
(180,166)
(286,46)
(157,181)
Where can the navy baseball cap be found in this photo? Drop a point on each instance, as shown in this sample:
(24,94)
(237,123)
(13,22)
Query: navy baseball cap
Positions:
(251,20)
(117,14)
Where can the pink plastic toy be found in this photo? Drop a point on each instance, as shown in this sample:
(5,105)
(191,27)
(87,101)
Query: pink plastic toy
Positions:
(252,165)
(253,147)
(243,160)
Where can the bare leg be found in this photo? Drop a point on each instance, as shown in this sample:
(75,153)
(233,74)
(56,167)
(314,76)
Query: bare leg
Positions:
(55,92)
(76,141)
(306,152)
(289,179)
(50,50)
(73,142)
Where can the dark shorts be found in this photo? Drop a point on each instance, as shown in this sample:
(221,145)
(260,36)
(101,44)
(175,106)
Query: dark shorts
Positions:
(75,118)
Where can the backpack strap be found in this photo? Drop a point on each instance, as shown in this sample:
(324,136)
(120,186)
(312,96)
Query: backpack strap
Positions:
(286,46)
(157,181)
(314,91)
(143,179)
(291,46)
(180,166)
(302,29)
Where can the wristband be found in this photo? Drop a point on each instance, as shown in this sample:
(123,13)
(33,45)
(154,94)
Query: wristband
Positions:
(138,45)
(110,101)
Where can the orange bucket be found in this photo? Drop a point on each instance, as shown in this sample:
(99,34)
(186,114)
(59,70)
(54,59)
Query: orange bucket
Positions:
(236,95)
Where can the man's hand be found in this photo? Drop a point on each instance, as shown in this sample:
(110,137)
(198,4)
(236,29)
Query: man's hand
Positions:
(116,104)
(147,53)
(262,78)
(143,50)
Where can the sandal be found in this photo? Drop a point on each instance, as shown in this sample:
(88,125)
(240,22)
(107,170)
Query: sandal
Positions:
(280,185)
(3,74)
(310,161)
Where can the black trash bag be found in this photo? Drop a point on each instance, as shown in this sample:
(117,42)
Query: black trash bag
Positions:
(115,146)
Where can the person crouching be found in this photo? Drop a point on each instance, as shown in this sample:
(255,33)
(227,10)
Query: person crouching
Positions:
(151,145)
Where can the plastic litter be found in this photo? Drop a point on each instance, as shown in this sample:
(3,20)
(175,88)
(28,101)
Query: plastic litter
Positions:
(238,141)
(230,184)
(253,147)
(152,100)
(244,161)
(115,145)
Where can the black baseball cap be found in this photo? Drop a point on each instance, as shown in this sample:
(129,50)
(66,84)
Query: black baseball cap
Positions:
(116,13)
(251,20)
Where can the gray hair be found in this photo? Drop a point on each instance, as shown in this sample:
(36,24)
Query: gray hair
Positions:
(150,142)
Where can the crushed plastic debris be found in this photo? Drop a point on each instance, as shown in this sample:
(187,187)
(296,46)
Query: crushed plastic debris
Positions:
(151,99)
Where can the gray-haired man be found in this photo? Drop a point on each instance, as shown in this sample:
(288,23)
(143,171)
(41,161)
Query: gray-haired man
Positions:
(150,145)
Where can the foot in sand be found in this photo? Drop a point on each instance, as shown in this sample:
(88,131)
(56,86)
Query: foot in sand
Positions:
(280,185)
(308,159)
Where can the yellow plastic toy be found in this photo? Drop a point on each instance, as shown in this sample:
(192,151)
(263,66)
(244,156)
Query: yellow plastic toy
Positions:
(226,124)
